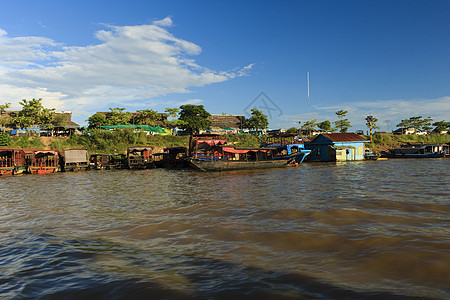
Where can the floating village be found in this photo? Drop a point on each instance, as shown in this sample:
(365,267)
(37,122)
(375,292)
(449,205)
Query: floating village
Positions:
(208,151)
(211,152)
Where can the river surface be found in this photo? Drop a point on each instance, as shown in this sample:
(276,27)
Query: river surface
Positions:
(355,230)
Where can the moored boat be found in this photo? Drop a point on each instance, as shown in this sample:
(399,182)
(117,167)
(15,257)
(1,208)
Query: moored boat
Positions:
(419,151)
(369,155)
(210,153)
(140,157)
(43,161)
(12,161)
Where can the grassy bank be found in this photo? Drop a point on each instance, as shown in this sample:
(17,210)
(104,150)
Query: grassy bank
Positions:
(117,141)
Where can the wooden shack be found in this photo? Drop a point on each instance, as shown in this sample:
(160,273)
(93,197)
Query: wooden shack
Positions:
(140,157)
(75,160)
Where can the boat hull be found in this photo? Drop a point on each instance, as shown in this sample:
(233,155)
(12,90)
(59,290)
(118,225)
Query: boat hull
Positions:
(404,155)
(227,165)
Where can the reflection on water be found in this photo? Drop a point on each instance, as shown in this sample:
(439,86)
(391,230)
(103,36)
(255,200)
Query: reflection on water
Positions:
(341,231)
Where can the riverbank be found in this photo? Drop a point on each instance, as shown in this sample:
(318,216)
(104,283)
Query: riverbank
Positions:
(109,142)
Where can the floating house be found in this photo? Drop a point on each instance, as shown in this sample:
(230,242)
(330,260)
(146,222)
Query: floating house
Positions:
(336,147)
(140,157)
(75,160)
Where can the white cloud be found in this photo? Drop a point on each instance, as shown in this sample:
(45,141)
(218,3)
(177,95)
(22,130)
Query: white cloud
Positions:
(129,63)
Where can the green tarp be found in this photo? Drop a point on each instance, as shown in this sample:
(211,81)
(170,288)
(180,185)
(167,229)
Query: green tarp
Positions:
(156,129)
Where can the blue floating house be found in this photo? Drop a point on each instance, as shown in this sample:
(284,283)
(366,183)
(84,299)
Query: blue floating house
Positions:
(336,147)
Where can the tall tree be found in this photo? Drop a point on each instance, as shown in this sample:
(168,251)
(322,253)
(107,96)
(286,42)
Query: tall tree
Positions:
(258,120)
(97,120)
(146,117)
(441,126)
(194,118)
(3,118)
(309,126)
(342,124)
(173,114)
(419,123)
(325,125)
(34,113)
(117,116)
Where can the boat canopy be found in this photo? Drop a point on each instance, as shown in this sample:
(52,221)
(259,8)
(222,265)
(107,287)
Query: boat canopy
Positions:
(212,142)
(242,151)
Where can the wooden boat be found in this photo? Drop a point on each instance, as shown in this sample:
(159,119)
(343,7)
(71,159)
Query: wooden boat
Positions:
(369,155)
(209,153)
(420,151)
(12,161)
(107,161)
(171,158)
(140,157)
(43,161)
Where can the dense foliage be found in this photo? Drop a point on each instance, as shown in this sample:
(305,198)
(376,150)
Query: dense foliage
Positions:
(5,139)
(194,118)
(258,120)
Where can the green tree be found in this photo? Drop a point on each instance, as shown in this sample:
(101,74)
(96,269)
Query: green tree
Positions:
(4,139)
(117,116)
(173,114)
(34,113)
(3,118)
(404,124)
(258,120)
(309,126)
(426,124)
(292,130)
(97,120)
(325,125)
(146,117)
(342,124)
(194,118)
(441,126)
(418,123)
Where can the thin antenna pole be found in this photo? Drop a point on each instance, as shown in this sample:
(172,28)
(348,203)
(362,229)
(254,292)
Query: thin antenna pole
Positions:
(307,76)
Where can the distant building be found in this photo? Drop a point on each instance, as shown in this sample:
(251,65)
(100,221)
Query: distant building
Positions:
(336,147)
(226,123)
(65,124)
(409,130)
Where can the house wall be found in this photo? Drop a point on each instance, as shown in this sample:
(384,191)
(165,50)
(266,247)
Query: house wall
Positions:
(357,153)
(325,152)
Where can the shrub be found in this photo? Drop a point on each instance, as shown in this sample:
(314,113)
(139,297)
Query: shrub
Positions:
(5,140)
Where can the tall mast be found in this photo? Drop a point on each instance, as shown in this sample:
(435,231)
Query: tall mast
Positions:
(307,77)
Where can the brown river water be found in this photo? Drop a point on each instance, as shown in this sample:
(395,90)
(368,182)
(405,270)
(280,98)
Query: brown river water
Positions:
(356,230)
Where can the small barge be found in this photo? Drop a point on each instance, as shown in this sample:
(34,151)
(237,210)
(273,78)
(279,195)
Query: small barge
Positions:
(417,151)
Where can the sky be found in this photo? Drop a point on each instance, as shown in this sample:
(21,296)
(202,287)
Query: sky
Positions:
(390,59)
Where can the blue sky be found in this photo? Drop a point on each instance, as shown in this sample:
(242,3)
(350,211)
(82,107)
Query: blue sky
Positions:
(385,58)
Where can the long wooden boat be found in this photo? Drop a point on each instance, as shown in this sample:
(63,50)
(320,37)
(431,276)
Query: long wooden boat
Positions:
(43,161)
(211,153)
(12,161)
(423,151)
(224,164)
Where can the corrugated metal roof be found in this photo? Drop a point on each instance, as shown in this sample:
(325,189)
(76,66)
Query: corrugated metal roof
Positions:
(342,137)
